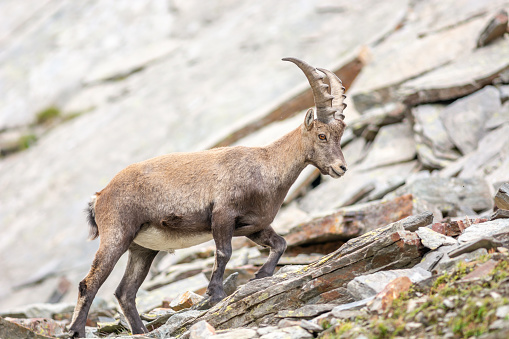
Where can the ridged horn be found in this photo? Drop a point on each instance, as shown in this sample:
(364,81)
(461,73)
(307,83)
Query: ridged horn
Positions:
(338,92)
(323,99)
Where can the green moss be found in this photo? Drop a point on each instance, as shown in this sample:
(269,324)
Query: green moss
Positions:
(26,141)
(47,115)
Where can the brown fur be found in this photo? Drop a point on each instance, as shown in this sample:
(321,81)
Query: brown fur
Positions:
(175,200)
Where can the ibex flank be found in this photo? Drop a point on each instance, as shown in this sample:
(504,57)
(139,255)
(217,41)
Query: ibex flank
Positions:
(183,199)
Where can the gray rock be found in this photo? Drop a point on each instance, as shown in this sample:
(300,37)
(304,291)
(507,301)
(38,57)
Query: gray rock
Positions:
(447,263)
(175,323)
(201,330)
(393,144)
(487,243)
(500,117)
(434,147)
(413,222)
(333,194)
(366,286)
(432,239)
(485,229)
(38,310)
(338,310)
(464,119)
(466,74)
(150,300)
(502,311)
(236,334)
(307,311)
(430,260)
(448,194)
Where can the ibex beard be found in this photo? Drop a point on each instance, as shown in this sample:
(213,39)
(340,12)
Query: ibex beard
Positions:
(184,199)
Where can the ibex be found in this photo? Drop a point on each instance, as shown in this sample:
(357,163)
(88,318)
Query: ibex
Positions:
(183,199)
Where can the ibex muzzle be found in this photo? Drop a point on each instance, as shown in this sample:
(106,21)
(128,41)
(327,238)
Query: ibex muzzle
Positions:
(183,199)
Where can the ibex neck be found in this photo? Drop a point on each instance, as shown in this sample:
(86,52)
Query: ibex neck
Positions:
(287,158)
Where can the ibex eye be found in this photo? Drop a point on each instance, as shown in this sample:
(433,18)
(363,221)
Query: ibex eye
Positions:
(322,137)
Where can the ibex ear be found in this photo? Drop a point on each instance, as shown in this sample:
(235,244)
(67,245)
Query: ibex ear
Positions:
(310,117)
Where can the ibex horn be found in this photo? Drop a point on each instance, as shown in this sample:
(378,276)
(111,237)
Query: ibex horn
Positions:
(327,104)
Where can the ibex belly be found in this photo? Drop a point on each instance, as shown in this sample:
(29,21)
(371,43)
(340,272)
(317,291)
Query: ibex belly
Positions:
(159,239)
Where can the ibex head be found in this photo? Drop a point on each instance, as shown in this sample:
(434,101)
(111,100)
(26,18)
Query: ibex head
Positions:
(322,136)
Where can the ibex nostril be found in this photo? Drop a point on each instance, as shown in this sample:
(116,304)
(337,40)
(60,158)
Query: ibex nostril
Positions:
(343,168)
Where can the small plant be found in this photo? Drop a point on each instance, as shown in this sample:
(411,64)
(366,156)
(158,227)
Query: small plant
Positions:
(26,141)
(49,114)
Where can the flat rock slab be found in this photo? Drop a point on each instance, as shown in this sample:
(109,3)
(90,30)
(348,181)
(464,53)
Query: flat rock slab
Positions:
(465,118)
(393,144)
(450,194)
(466,74)
(366,286)
(432,239)
(375,183)
(485,229)
(350,222)
(12,330)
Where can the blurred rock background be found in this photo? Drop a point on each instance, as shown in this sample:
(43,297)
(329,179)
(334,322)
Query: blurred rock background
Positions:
(87,88)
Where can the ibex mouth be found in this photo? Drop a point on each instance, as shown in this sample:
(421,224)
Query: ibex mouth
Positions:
(335,174)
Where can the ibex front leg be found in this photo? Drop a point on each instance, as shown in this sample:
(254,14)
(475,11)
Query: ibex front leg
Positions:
(277,244)
(222,231)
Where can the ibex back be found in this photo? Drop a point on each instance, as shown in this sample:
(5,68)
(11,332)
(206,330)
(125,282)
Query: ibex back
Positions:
(183,199)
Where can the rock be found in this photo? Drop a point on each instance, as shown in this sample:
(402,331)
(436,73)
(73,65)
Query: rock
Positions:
(230,284)
(333,194)
(502,311)
(502,197)
(185,300)
(236,334)
(466,74)
(405,55)
(480,271)
(307,311)
(432,239)
(412,326)
(114,326)
(501,117)
(42,326)
(366,286)
(489,228)
(379,116)
(413,222)
(389,247)
(487,243)
(434,147)
(39,311)
(500,214)
(455,227)
(310,326)
(430,260)
(157,317)
(175,323)
(384,299)
(447,263)
(464,119)
(297,332)
(496,28)
(12,330)
(448,195)
(350,222)
(201,330)
(150,300)
(393,144)
(339,311)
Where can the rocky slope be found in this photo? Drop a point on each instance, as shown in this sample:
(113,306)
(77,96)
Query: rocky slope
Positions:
(428,118)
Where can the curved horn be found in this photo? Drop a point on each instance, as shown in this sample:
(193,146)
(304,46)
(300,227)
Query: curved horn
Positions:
(337,91)
(323,100)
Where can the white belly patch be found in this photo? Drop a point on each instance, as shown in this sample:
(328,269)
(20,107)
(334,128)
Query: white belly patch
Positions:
(159,240)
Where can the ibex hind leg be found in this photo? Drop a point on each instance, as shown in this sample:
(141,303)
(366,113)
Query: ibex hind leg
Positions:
(277,244)
(138,266)
(110,250)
